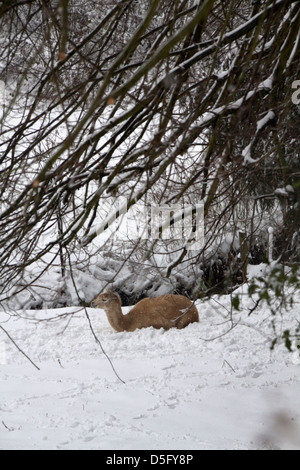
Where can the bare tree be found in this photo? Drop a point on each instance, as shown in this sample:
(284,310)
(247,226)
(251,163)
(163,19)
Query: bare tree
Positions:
(171,102)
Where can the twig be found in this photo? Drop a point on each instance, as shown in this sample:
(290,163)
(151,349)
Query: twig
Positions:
(18,347)
(228,365)
(100,344)
(59,362)
(66,326)
(7,427)
(223,334)
(221,305)
(257,302)
(89,320)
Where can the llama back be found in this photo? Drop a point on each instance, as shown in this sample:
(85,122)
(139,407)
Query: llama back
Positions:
(166,311)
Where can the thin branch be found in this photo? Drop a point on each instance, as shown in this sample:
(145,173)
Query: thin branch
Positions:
(226,362)
(100,344)
(251,310)
(90,323)
(18,347)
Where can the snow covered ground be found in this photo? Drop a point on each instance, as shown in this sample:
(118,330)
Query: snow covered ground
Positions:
(196,388)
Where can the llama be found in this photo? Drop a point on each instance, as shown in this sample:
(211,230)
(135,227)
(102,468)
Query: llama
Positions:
(165,311)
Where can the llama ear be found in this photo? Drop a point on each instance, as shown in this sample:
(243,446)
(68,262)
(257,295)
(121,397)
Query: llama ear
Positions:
(108,291)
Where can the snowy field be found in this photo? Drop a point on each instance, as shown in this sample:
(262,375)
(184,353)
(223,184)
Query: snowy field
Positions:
(200,388)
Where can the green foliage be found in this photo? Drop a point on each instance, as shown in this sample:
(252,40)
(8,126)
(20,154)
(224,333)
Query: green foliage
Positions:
(236,302)
(278,290)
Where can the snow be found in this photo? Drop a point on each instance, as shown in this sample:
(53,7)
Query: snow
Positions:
(213,385)
(264,121)
(260,125)
(2,92)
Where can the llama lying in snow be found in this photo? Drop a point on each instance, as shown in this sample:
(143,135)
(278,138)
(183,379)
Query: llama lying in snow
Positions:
(166,311)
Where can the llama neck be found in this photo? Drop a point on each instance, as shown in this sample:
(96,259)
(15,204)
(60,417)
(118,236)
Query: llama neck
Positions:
(115,316)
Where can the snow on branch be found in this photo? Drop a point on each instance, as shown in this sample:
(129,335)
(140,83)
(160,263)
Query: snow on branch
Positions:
(260,125)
